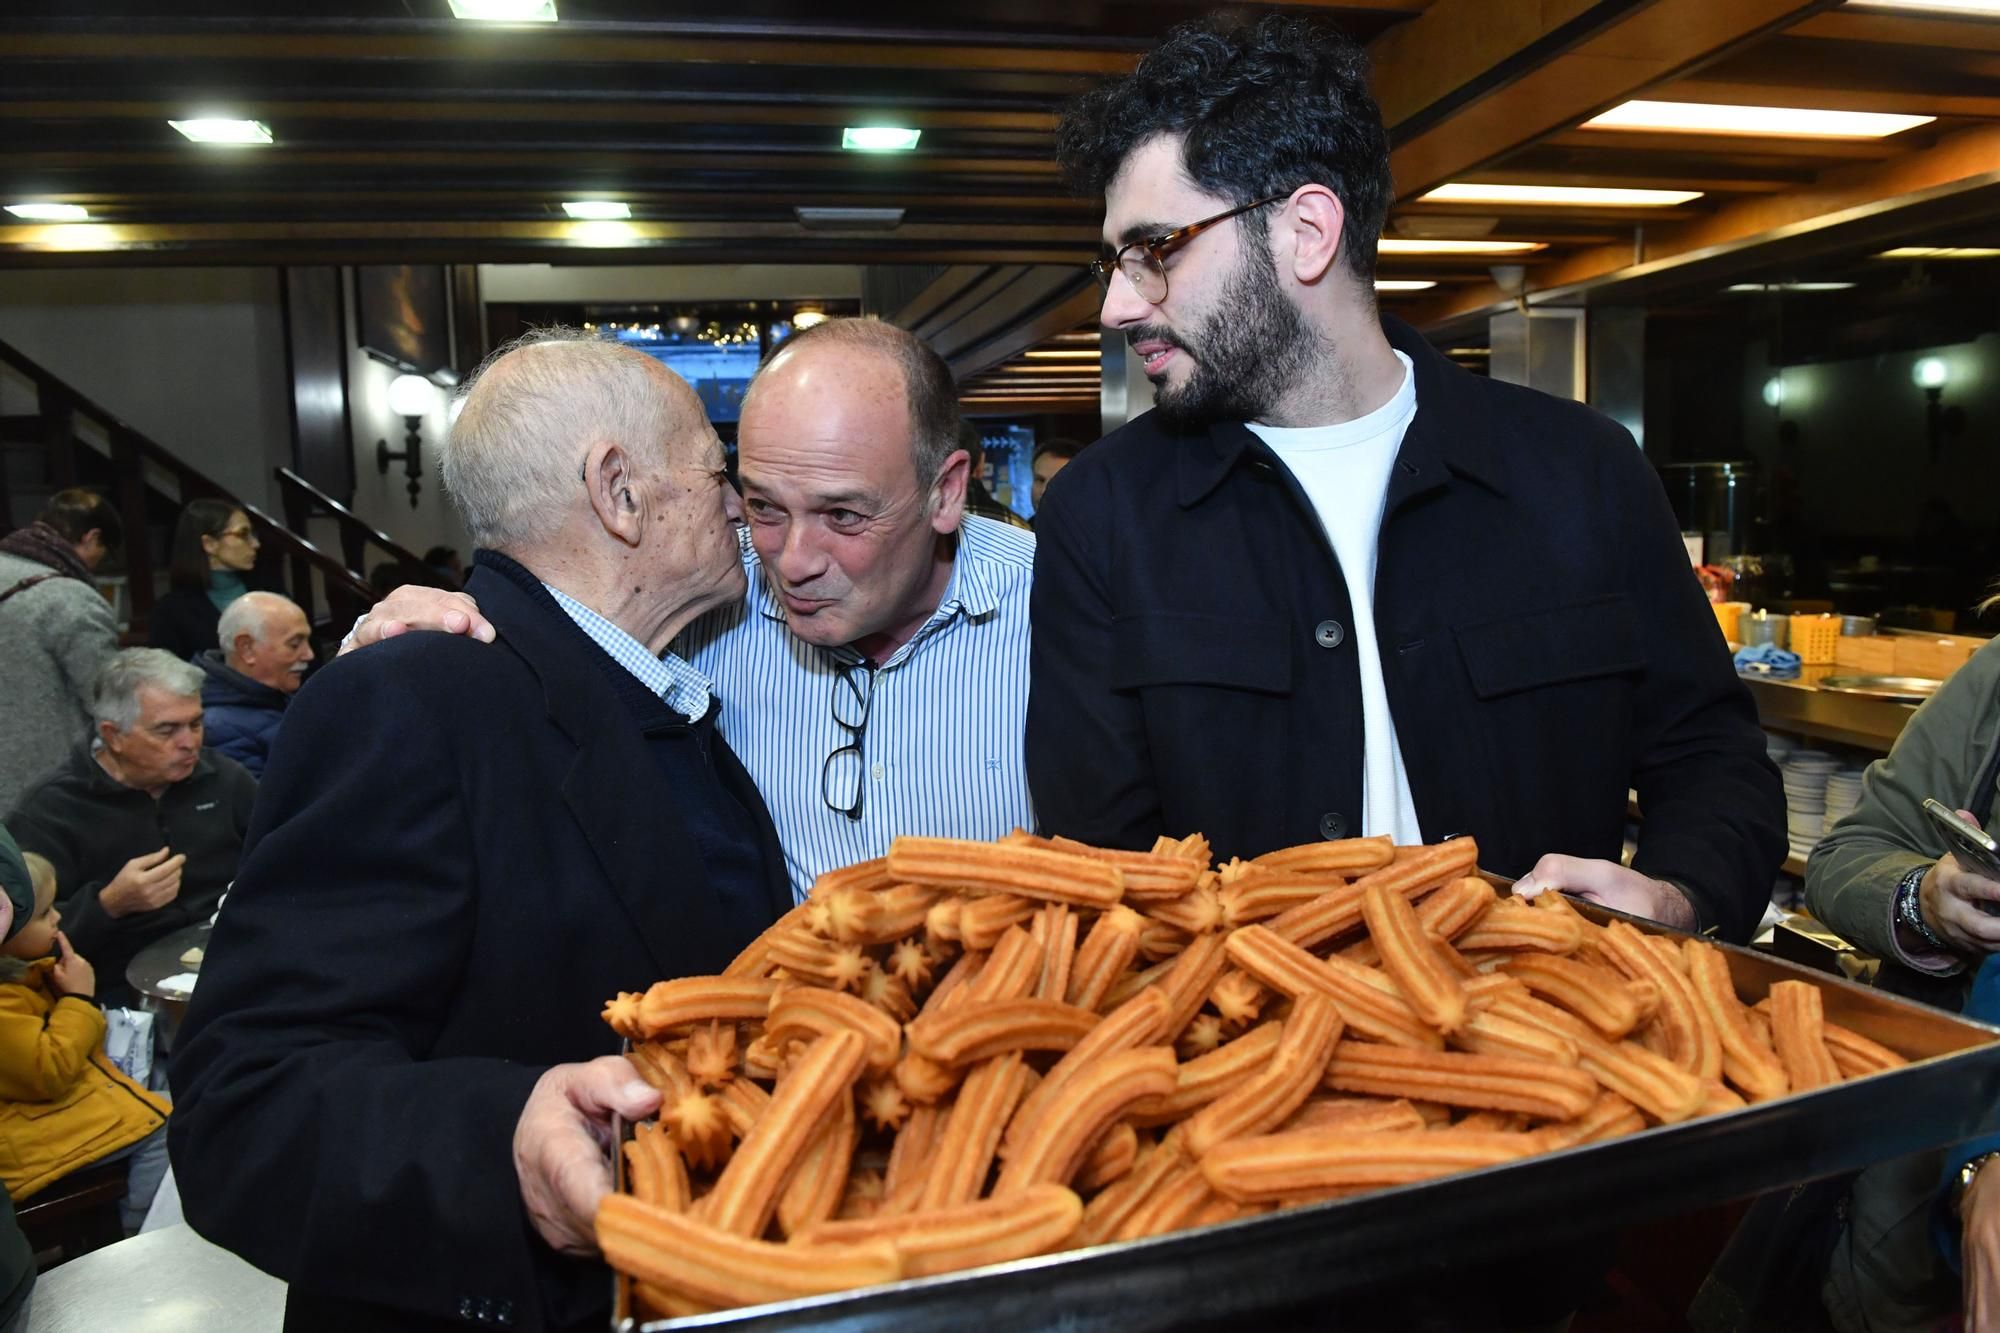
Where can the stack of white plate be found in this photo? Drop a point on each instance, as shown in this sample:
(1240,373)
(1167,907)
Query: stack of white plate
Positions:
(1843,793)
(1806,773)
(1777,744)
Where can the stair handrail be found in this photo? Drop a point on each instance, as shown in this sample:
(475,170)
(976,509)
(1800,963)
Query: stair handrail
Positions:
(130,450)
(303,501)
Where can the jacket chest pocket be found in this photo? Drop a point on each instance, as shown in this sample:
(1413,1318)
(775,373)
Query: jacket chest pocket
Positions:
(1178,648)
(1563,645)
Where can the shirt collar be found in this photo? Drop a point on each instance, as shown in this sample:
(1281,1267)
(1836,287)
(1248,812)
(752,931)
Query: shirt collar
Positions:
(677,684)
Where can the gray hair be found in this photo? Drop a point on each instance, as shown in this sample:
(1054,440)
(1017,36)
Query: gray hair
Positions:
(928,388)
(527,416)
(115,697)
(251,614)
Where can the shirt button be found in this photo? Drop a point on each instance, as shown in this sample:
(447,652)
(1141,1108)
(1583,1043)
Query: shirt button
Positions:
(1332,827)
(876,772)
(1329,634)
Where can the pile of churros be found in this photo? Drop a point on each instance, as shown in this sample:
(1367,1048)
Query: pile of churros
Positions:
(968,1053)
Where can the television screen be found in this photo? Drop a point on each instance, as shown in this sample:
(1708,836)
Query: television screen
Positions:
(719,372)
(400,315)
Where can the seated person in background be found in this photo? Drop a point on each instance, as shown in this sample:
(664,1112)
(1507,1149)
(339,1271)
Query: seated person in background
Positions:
(142,824)
(56,630)
(461,851)
(1051,457)
(1886,880)
(214,547)
(266,648)
(63,1104)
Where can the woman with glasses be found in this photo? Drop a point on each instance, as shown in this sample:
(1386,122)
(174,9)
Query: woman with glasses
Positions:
(214,548)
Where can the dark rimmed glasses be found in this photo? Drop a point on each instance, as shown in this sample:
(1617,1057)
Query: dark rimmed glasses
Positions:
(853,691)
(1143,262)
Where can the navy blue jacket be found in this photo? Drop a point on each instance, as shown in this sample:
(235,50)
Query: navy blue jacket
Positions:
(239,716)
(1544,644)
(459,852)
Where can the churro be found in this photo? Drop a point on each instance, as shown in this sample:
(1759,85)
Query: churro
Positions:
(1199,1082)
(711,1057)
(1599,997)
(1275,1167)
(654,1169)
(711,1264)
(1108,1211)
(1110,1158)
(813,1192)
(1355,1115)
(1433,990)
(1305,1044)
(1798,1027)
(1237,1000)
(806,1012)
(1499,1034)
(1055,933)
(1080,1113)
(746,1191)
(1338,911)
(1149,876)
(670,1004)
(1137,1022)
(661,1068)
(979,1032)
(910,1158)
(1855,1054)
(925,1081)
(870,875)
(987,867)
(1456,1078)
(1256,893)
(971,1136)
(1447,913)
(965,1235)
(1746,1060)
(1608,1117)
(1196,912)
(1012,966)
(700,1128)
(1287,968)
(859,915)
(910,963)
(1345,856)
(982,921)
(1691,1034)
(1653,1083)
(1107,950)
(1511,924)
(1169,1208)
(1190,978)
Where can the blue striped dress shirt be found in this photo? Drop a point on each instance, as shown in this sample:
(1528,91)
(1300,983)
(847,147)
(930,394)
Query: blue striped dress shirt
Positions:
(941,751)
(679,685)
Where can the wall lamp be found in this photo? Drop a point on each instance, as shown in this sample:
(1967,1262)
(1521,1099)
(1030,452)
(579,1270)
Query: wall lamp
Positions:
(410,397)
(1940,422)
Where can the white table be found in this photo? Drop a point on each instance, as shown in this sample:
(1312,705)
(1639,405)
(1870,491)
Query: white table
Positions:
(167,1281)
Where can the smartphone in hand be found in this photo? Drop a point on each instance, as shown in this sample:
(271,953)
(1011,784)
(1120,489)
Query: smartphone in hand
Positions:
(1971,844)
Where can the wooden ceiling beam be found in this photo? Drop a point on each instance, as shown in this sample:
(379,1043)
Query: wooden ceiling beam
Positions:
(1633,146)
(1856,205)
(1650,45)
(1855,25)
(1907,95)
(781,109)
(446,43)
(743,157)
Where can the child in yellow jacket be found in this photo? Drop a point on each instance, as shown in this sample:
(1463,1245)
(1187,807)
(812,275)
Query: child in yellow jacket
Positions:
(63,1104)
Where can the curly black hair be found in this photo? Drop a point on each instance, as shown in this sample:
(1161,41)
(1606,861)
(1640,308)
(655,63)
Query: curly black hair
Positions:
(1263,106)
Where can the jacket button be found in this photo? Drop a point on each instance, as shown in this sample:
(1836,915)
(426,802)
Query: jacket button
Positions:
(467,1310)
(1329,634)
(1332,827)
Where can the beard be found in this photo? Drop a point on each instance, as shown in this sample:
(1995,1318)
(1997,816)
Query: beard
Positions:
(1248,351)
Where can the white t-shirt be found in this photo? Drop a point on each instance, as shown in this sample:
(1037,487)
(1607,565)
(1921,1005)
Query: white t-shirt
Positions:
(1344,471)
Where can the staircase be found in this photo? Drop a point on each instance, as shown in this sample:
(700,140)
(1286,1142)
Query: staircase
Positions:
(69,440)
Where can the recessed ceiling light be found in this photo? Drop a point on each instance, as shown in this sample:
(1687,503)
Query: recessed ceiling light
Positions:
(597,210)
(1981,9)
(217,129)
(505,11)
(808,317)
(879,139)
(1477,192)
(1789,287)
(605,232)
(1404,284)
(1940,252)
(1390,245)
(49,212)
(1769,121)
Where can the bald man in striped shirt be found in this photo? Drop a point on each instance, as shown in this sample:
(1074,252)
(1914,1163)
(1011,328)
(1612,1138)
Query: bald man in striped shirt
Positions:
(874,679)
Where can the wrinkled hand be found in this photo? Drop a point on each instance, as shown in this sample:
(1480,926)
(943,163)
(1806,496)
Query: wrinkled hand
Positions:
(1609,884)
(72,974)
(144,884)
(561,1141)
(413,606)
(1950,896)
(1980,1212)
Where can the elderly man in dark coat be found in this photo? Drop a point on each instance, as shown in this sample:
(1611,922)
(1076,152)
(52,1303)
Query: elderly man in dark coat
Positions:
(460,852)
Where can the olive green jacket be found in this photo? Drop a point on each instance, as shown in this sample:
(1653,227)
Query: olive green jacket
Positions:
(1948,751)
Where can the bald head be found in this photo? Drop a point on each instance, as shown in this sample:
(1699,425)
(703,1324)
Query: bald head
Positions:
(532,413)
(265,637)
(869,354)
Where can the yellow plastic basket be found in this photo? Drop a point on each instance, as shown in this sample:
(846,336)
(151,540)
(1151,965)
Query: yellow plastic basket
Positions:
(1815,638)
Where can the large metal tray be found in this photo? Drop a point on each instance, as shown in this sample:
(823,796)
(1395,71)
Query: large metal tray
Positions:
(1345,1258)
